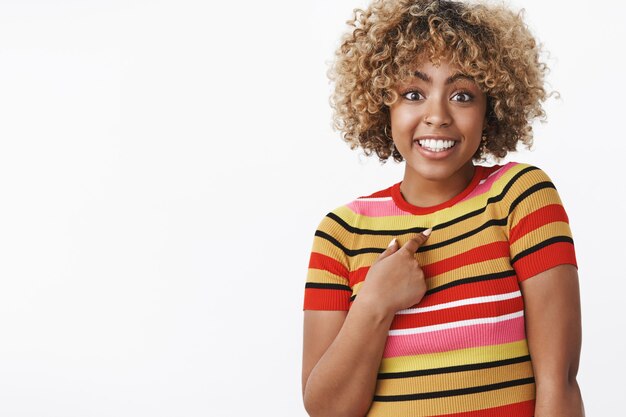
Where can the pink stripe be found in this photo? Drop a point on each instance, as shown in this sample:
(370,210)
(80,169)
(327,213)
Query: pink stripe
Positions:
(486,186)
(376,208)
(488,334)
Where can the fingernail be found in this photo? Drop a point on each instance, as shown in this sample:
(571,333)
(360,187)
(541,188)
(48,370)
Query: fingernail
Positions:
(393,242)
(427,232)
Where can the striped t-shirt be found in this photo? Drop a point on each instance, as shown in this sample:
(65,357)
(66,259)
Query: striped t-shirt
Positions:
(462,350)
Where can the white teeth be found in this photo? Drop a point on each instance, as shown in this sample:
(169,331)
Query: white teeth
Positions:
(436,145)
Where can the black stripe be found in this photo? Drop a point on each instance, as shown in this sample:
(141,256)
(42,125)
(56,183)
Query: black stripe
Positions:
(425,248)
(489,223)
(323,286)
(466,216)
(456,239)
(454,392)
(490,200)
(451,369)
(428,247)
(348,252)
(469,280)
(463,281)
(531,190)
(359,231)
(492,222)
(541,245)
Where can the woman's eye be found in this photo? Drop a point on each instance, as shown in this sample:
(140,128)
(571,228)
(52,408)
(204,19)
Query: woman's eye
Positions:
(462,97)
(412,96)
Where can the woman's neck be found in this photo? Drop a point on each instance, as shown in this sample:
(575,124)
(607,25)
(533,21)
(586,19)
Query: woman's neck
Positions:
(426,192)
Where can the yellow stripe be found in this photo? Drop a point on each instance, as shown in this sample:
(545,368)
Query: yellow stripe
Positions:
(487,236)
(538,199)
(324,277)
(362,260)
(357,288)
(540,234)
(479,201)
(373,241)
(455,357)
(454,380)
(323,246)
(403,222)
(457,404)
(432,219)
(345,214)
(479,268)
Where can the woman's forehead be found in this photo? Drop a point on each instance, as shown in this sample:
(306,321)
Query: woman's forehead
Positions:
(427,70)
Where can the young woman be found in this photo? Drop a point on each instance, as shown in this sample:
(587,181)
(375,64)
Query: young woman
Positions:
(455,291)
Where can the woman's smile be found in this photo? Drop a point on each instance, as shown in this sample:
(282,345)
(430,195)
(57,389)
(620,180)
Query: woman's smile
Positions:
(435,147)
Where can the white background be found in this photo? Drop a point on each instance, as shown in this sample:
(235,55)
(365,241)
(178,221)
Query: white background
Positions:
(164,164)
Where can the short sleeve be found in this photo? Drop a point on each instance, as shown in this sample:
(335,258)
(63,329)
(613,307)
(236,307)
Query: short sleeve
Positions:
(327,285)
(538,226)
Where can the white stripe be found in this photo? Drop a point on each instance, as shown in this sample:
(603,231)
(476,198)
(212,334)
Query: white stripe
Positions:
(467,301)
(496,171)
(484,180)
(374,199)
(452,325)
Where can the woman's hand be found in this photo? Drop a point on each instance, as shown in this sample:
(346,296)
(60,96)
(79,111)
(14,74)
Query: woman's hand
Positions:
(395,281)
(342,350)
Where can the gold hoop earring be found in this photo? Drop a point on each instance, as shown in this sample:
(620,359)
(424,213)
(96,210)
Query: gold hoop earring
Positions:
(387,134)
(483,143)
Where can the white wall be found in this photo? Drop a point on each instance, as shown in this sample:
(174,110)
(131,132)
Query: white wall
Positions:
(163,166)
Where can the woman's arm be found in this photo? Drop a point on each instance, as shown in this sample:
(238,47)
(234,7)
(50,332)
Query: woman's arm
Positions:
(553,330)
(342,350)
(339,370)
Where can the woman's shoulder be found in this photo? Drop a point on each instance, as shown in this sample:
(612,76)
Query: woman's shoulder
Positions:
(510,178)
(376,204)
(521,187)
(358,204)
(518,175)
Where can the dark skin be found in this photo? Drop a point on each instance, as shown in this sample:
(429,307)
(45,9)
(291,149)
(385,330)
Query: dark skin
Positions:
(553,330)
(342,350)
(342,355)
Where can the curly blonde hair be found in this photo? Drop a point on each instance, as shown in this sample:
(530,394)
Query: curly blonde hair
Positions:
(490,44)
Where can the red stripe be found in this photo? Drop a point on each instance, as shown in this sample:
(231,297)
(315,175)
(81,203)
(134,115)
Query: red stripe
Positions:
(482,253)
(326,263)
(469,290)
(326,299)
(468,312)
(358,275)
(536,219)
(558,253)
(523,409)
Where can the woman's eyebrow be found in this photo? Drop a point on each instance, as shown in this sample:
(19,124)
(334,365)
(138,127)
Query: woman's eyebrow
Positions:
(458,76)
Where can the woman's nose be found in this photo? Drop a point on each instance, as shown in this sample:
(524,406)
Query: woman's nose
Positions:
(437,114)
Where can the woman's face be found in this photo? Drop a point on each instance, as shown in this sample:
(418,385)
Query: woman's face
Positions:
(437,122)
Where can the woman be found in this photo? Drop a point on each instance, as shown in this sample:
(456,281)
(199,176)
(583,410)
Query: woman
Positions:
(455,291)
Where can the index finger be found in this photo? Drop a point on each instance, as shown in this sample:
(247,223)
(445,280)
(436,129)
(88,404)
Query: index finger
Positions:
(413,244)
